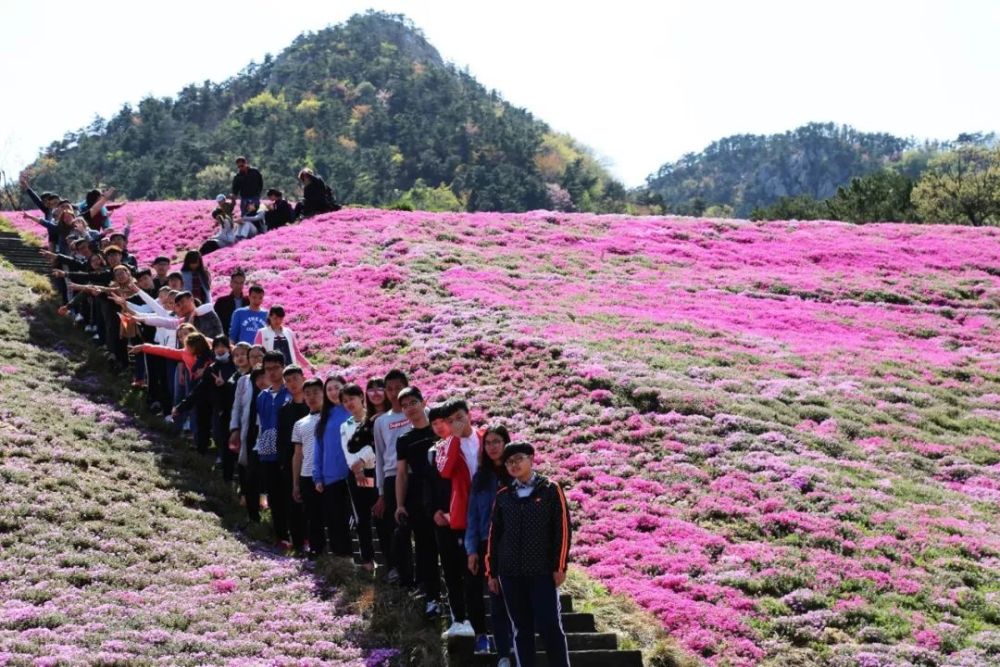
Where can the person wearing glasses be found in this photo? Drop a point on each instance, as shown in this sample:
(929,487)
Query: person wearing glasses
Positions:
(527,553)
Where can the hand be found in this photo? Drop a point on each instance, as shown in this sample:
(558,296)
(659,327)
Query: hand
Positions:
(401,512)
(58,273)
(358,468)
(494,585)
(378,509)
(175,413)
(218,379)
(136,349)
(474,563)
(234,441)
(441,519)
(319,487)
(558,578)
(23,180)
(109,193)
(63,311)
(296,494)
(120,300)
(48,254)
(128,219)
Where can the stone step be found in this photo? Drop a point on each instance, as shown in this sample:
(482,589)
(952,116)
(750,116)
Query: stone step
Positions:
(587,641)
(600,658)
(572,621)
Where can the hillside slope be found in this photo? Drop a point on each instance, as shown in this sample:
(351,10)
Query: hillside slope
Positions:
(369,104)
(780,438)
(109,551)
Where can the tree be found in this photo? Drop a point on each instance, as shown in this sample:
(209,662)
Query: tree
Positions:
(878,197)
(961,187)
(802,207)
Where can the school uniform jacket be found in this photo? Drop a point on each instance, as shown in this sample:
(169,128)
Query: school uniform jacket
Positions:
(529,536)
(265,337)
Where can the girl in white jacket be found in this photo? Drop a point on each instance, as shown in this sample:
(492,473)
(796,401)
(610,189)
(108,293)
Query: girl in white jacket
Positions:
(276,336)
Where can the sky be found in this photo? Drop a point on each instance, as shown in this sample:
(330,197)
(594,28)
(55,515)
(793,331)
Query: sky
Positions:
(641,83)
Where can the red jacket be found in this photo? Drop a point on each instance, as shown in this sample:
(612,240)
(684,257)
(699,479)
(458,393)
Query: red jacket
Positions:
(452,466)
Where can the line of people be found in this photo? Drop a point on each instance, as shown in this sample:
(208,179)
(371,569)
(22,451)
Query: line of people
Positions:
(445,499)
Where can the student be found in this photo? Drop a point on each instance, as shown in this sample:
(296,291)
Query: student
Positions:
(202,317)
(197,279)
(269,401)
(303,487)
(175,281)
(330,469)
(452,556)
(230,454)
(248,183)
(375,401)
(357,439)
(195,357)
(414,480)
(161,266)
(275,336)
(242,431)
(387,430)
(280,212)
(527,553)
(491,476)
(288,415)
(249,319)
(226,305)
(209,397)
(458,465)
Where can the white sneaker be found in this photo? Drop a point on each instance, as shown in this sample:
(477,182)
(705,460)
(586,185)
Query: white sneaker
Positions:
(503,662)
(78,318)
(466,630)
(455,630)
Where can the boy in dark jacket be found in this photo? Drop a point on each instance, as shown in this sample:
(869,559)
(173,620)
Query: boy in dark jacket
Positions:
(527,554)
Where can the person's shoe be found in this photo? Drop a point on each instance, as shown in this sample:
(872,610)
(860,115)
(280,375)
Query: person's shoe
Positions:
(456,630)
(432,609)
(78,318)
(482,644)
(467,630)
(503,662)
(392,576)
(95,337)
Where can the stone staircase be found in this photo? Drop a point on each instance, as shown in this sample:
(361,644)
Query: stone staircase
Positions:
(587,646)
(21,255)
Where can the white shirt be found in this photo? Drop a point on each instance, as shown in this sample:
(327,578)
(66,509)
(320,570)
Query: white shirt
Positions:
(470,452)
(304,433)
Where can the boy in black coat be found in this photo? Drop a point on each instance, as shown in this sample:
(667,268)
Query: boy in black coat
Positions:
(527,554)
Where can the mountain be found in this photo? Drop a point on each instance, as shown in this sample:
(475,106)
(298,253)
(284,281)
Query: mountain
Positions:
(369,104)
(746,171)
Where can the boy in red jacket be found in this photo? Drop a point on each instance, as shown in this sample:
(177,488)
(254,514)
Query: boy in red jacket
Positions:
(457,464)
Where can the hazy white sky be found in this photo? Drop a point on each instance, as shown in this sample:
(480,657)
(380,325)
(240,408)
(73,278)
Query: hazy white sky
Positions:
(640,82)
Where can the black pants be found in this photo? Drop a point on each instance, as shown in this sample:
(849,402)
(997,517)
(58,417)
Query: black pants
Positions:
(362,498)
(250,485)
(270,475)
(533,603)
(498,609)
(294,511)
(451,544)
(220,433)
(312,510)
(203,426)
(156,381)
(424,553)
(337,511)
(386,526)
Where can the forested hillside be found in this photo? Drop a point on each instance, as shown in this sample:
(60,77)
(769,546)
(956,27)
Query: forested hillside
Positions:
(739,173)
(369,104)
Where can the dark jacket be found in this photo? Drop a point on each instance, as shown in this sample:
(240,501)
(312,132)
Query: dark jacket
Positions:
(529,536)
(208,324)
(205,389)
(224,308)
(314,198)
(280,215)
(288,414)
(250,184)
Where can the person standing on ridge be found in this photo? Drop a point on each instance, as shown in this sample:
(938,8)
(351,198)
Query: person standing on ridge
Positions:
(247,185)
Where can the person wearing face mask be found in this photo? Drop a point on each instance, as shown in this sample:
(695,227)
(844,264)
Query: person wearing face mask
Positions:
(212,401)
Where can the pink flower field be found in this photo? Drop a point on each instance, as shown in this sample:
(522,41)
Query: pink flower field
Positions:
(781,439)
